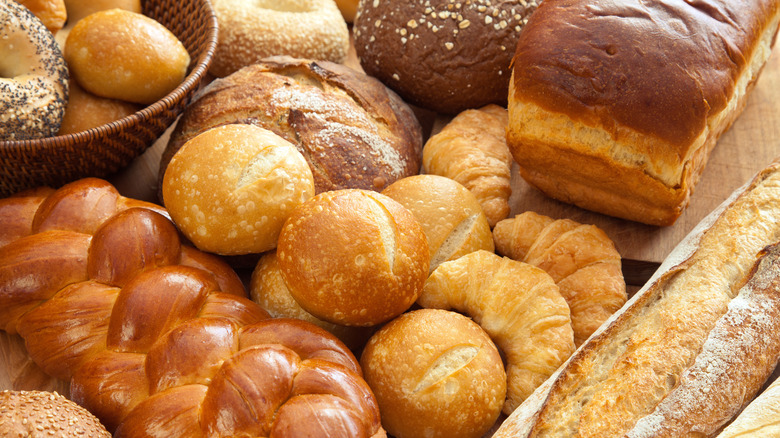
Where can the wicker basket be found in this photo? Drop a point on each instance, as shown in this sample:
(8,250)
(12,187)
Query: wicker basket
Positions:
(102,151)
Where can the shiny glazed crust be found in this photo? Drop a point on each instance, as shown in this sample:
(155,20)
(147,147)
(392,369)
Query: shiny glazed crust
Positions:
(615,107)
(157,338)
(690,349)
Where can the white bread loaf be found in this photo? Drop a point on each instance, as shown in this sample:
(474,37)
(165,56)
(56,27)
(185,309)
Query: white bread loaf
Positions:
(616,106)
(690,349)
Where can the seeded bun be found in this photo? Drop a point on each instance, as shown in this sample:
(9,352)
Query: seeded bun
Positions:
(438,54)
(45,414)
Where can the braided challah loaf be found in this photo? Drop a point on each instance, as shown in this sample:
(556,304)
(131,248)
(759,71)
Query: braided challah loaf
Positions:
(157,338)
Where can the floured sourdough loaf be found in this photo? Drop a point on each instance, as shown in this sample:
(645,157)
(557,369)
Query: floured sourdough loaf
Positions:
(690,349)
(616,106)
(353,131)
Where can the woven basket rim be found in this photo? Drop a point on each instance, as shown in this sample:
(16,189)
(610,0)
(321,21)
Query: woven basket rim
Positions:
(188,85)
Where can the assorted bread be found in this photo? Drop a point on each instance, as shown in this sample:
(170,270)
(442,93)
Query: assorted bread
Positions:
(517,304)
(158,338)
(471,149)
(616,107)
(371,245)
(451,216)
(353,131)
(690,349)
(116,58)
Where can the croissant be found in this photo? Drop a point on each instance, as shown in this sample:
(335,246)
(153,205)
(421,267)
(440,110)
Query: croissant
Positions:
(472,150)
(157,338)
(517,304)
(580,258)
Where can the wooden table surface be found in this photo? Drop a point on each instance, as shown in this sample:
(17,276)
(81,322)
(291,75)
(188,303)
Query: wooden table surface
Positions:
(750,145)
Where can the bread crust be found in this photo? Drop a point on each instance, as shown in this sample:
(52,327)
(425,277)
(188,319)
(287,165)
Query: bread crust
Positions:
(353,131)
(615,107)
(644,372)
(442,55)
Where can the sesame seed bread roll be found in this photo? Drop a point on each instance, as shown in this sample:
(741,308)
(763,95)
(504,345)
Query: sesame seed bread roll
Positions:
(39,414)
(231,188)
(353,257)
(439,54)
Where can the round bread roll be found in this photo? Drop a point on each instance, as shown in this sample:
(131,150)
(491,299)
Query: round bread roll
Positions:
(267,288)
(252,31)
(86,110)
(353,257)
(231,188)
(435,373)
(348,9)
(354,132)
(124,55)
(51,12)
(78,9)
(449,213)
(438,54)
(39,414)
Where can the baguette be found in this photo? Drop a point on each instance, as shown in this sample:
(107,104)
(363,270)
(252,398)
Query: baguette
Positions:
(760,417)
(690,349)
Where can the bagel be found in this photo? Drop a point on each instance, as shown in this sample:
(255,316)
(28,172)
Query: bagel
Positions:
(251,31)
(33,76)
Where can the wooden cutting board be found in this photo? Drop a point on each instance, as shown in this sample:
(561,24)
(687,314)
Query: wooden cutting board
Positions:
(750,145)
